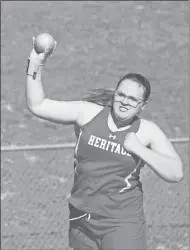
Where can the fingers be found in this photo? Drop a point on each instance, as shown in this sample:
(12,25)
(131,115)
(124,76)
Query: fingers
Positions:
(49,51)
(55,45)
(33,41)
(33,51)
(33,55)
(41,56)
(129,135)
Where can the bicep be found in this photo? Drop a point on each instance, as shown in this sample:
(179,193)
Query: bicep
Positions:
(161,144)
(65,112)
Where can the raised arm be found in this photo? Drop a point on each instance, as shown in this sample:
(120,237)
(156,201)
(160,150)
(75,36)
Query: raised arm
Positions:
(66,112)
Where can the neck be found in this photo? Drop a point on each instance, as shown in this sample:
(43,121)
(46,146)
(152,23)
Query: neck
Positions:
(121,123)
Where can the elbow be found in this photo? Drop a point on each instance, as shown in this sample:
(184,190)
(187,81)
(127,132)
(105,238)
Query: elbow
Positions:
(179,174)
(176,176)
(29,107)
(34,106)
(33,109)
(179,177)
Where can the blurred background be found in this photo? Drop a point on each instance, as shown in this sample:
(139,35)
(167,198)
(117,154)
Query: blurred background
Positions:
(97,44)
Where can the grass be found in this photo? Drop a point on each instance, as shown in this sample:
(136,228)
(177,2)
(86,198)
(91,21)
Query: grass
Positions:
(98,42)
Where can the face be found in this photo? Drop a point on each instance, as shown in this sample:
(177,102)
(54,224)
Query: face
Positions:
(128,100)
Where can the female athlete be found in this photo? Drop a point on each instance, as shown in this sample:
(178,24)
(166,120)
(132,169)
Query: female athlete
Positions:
(113,144)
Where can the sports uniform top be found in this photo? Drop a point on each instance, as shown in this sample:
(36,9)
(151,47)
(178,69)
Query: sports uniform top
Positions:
(106,180)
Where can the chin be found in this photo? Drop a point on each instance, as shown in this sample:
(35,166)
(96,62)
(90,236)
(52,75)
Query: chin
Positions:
(122,116)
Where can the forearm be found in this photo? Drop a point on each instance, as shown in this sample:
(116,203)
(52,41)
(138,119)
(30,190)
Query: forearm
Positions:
(167,167)
(34,89)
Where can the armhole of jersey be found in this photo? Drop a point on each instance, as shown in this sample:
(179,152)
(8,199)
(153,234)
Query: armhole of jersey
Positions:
(95,117)
(138,124)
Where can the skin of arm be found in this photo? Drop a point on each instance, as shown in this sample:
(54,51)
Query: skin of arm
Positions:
(159,154)
(64,112)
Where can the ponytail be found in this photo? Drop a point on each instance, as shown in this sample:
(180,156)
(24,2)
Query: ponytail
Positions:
(100,96)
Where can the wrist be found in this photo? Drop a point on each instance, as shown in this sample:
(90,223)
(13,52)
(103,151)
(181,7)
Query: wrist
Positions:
(139,149)
(34,68)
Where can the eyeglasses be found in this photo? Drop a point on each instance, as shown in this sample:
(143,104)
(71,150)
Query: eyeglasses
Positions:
(131,100)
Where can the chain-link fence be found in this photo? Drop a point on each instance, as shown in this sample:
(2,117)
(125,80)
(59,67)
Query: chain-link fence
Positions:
(34,191)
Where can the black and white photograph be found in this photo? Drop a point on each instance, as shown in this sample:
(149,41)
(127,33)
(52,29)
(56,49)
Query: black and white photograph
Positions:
(94,125)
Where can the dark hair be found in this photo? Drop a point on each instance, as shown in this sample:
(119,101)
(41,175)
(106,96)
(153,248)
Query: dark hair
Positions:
(141,80)
(104,96)
(100,96)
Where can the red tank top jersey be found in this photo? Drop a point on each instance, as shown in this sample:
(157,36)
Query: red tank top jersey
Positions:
(106,180)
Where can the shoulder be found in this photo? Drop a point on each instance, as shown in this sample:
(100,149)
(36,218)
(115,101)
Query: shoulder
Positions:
(147,124)
(87,112)
(150,131)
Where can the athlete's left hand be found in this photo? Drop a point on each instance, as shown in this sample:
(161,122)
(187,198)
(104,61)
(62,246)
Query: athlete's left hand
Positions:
(131,143)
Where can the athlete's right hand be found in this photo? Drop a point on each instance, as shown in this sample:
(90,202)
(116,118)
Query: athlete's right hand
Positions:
(42,57)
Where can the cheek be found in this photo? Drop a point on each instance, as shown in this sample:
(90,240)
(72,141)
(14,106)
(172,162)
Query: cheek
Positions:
(115,104)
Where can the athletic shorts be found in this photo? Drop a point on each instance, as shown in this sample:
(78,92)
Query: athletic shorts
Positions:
(95,232)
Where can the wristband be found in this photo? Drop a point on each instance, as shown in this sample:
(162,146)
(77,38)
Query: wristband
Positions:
(32,68)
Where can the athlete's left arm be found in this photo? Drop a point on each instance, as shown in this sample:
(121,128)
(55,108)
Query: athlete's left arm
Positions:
(160,156)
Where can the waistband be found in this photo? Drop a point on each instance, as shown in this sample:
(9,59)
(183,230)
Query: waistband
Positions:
(76,214)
